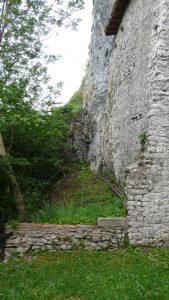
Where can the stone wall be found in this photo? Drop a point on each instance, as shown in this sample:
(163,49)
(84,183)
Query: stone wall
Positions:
(108,234)
(126,94)
(128,102)
(148,184)
(116,87)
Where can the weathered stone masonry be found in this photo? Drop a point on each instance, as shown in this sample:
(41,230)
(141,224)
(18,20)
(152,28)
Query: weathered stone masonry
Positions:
(126,94)
(108,234)
(148,186)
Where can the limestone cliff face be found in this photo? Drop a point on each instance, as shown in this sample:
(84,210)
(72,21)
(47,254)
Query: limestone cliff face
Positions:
(96,83)
(126,94)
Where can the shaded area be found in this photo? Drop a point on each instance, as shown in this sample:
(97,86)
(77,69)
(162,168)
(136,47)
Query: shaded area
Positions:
(116,17)
(3,236)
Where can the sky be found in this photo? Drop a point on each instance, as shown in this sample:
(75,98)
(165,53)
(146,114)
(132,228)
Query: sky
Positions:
(73,47)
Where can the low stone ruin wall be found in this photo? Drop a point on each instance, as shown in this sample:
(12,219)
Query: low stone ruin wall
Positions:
(107,234)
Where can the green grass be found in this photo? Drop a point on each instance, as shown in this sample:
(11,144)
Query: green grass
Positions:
(117,275)
(81,198)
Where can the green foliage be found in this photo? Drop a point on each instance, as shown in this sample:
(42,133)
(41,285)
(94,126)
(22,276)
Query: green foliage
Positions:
(142,138)
(23,27)
(81,198)
(70,213)
(36,143)
(13,223)
(120,274)
(34,134)
(76,102)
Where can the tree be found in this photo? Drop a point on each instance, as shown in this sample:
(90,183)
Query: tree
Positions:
(23,26)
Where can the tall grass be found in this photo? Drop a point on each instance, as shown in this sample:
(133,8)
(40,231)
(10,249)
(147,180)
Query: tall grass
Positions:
(83,197)
(69,213)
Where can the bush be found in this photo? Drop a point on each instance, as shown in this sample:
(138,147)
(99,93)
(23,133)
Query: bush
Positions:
(36,143)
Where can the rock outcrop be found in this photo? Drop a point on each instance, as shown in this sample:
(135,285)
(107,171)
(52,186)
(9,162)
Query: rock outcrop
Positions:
(96,83)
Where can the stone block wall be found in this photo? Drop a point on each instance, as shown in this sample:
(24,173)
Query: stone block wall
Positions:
(107,234)
(148,182)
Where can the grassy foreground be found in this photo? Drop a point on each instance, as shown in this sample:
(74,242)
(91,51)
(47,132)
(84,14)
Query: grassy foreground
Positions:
(81,197)
(117,275)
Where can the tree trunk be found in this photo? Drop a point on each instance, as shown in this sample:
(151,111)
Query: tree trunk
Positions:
(13,183)
(2,147)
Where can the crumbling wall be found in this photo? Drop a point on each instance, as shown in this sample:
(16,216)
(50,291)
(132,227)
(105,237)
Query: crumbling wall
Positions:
(108,234)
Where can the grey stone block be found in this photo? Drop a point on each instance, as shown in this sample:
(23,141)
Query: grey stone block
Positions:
(112,222)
